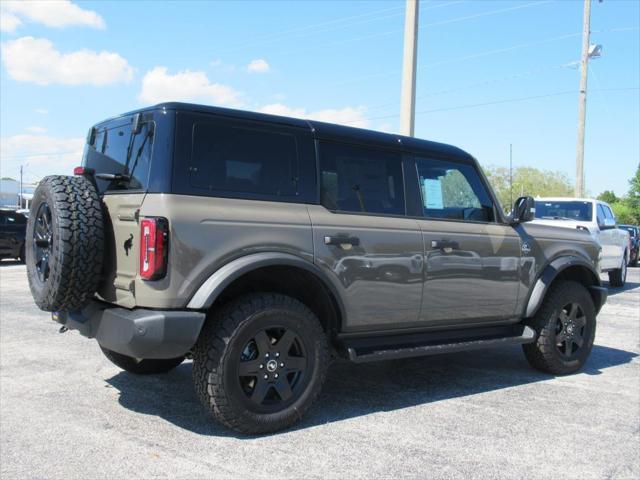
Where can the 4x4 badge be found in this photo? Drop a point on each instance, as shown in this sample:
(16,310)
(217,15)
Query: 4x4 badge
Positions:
(526,248)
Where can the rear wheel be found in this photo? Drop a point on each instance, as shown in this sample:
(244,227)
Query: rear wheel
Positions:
(566,328)
(618,277)
(142,366)
(260,363)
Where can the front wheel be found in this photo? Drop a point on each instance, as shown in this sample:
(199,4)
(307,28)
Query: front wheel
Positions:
(618,277)
(566,328)
(260,362)
(142,366)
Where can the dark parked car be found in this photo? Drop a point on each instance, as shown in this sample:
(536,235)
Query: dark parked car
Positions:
(634,234)
(12,230)
(263,246)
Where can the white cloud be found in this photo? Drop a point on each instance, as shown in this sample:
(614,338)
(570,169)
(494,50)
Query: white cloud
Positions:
(57,14)
(9,22)
(258,66)
(185,86)
(351,116)
(36,129)
(36,60)
(42,111)
(42,155)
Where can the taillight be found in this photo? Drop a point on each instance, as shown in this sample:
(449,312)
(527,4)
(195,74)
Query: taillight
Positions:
(154,243)
(83,171)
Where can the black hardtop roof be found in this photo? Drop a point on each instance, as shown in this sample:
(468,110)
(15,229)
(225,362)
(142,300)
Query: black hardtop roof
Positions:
(321,130)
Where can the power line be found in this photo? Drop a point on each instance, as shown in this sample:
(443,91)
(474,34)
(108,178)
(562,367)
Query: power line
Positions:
(495,102)
(391,32)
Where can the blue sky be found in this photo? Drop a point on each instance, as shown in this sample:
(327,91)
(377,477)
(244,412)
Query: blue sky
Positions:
(68,65)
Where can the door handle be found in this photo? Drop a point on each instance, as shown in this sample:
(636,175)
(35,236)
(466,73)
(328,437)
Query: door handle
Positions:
(447,246)
(339,241)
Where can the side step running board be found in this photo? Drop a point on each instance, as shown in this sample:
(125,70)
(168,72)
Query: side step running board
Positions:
(528,335)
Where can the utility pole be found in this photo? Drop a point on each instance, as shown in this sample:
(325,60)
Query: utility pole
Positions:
(408,95)
(20,196)
(511,175)
(582,101)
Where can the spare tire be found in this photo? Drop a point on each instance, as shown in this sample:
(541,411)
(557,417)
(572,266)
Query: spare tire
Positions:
(64,243)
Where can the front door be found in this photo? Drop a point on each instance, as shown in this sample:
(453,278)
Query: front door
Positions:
(363,240)
(472,262)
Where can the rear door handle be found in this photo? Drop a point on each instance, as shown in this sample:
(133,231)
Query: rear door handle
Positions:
(338,241)
(445,245)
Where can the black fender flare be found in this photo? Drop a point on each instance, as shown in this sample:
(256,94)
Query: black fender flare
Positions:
(549,274)
(213,286)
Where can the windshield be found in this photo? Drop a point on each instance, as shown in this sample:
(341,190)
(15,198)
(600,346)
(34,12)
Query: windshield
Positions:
(564,210)
(115,149)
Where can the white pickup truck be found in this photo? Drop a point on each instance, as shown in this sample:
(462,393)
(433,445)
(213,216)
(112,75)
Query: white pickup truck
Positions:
(596,218)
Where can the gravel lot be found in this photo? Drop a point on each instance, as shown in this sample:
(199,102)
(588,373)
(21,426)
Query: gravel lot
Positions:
(66,412)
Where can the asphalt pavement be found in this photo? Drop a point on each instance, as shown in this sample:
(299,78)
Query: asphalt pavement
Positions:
(66,412)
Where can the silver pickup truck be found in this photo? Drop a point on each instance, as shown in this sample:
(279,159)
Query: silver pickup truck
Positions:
(596,218)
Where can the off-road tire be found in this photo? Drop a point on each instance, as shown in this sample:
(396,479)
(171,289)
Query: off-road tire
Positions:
(76,248)
(618,277)
(543,354)
(216,357)
(142,366)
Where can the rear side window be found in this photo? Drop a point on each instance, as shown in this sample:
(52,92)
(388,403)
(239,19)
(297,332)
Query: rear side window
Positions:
(244,159)
(358,179)
(115,149)
(453,191)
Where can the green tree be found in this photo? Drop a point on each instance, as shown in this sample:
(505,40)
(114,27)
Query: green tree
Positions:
(528,181)
(624,213)
(608,196)
(633,197)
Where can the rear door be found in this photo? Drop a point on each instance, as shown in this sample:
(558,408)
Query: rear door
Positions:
(114,148)
(362,238)
(472,262)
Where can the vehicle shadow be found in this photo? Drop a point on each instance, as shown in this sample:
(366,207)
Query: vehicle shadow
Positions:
(627,286)
(354,390)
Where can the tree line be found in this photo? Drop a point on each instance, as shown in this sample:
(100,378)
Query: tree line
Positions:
(546,183)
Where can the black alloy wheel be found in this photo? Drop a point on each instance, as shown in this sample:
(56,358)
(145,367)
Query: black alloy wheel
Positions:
(570,326)
(42,241)
(272,367)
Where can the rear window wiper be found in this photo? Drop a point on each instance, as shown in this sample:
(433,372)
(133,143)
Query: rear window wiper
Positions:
(118,177)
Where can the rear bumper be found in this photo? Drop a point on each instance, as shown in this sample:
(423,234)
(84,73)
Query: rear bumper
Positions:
(138,333)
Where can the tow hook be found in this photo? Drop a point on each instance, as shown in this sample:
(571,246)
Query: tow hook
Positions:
(63,329)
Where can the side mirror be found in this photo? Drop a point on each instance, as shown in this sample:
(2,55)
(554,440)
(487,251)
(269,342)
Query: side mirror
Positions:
(524,210)
(608,224)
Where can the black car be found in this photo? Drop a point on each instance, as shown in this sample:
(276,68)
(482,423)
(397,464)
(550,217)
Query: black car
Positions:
(634,234)
(13,226)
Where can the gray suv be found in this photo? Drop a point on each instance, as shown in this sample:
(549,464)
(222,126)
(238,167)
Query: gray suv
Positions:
(262,247)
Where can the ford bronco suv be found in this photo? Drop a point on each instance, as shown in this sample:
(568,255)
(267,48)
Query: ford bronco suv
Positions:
(262,247)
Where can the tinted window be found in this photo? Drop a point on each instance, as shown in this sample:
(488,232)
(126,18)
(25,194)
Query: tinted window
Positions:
(601,215)
(608,213)
(358,179)
(243,159)
(564,210)
(453,191)
(116,150)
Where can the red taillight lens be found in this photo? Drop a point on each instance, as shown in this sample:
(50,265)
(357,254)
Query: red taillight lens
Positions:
(83,171)
(154,238)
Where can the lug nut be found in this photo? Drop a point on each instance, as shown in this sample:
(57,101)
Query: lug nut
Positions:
(277,354)
(266,355)
(261,366)
(276,375)
(266,376)
(281,365)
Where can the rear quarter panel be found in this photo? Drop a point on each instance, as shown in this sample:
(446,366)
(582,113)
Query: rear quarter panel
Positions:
(208,232)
